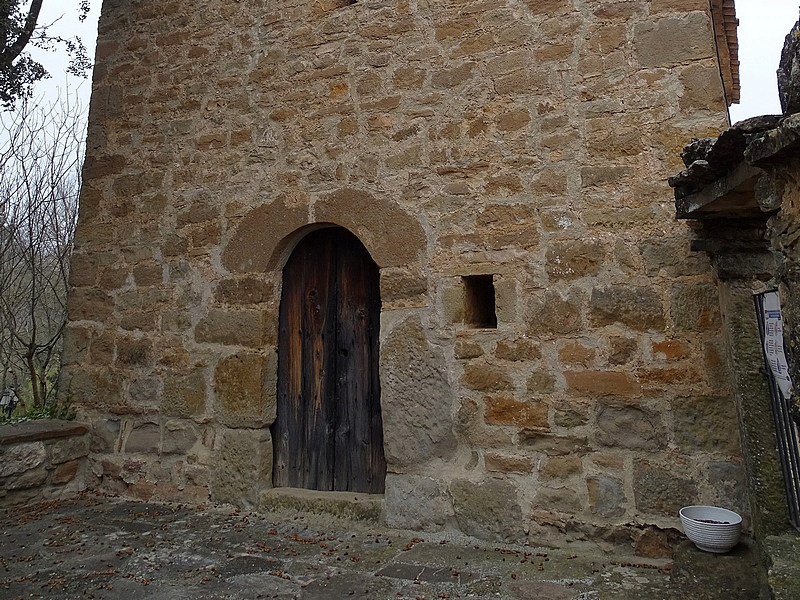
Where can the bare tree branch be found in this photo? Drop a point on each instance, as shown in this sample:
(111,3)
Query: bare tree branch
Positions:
(40,160)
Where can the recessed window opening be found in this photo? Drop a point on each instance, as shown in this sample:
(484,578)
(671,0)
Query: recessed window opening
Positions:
(479,302)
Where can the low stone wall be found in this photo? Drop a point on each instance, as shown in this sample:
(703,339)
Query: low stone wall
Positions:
(42,460)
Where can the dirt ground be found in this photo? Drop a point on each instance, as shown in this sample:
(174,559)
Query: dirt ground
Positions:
(101,547)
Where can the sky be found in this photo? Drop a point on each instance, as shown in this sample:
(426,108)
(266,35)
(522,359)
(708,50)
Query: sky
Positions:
(763,25)
(63,15)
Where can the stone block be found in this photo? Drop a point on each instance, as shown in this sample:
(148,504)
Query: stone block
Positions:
(673,40)
(464,350)
(105,435)
(701,88)
(549,8)
(558,500)
(503,225)
(184,395)
(609,139)
(31,478)
(93,388)
(541,381)
(19,458)
(145,438)
(146,275)
(513,120)
(576,353)
(561,467)
(505,294)
(606,496)
(247,328)
(518,350)
(134,352)
(629,427)
(76,344)
(661,490)
(653,542)
(453,303)
(706,424)
(550,182)
(574,258)
(244,290)
(242,466)
(549,312)
(695,307)
(621,350)
(65,472)
(450,78)
(568,417)
(393,237)
(671,349)
(67,449)
(417,398)
(672,257)
(485,377)
(508,62)
(504,410)
(602,176)
(504,463)
(488,510)
(245,386)
(101,350)
(552,444)
(418,503)
(640,308)
(179,437)
(398,285)
(144,392)
(728,482)
(602,383)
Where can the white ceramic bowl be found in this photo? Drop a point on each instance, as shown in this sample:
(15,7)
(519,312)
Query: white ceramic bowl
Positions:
(711,528)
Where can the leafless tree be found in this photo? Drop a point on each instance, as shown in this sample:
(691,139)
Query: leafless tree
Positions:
(40,161)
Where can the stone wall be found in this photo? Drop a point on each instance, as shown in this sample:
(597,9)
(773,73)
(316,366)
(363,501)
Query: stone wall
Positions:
(42,460)
(529,140)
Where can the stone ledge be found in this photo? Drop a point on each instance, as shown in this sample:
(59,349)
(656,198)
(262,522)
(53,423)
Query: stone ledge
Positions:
(347,505)
(36,431)
(784,569)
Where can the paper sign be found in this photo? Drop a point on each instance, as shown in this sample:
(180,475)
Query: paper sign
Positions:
(773,343)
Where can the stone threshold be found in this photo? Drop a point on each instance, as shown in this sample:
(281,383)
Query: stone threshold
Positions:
(345,505)
(39,430)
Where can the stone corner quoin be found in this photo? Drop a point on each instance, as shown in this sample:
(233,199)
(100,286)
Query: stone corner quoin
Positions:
(512,150)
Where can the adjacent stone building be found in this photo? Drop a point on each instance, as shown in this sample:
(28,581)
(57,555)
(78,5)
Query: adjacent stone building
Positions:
(740,191)
(550,357)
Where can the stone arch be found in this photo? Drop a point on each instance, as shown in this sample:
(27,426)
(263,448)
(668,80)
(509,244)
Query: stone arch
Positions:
(265,236)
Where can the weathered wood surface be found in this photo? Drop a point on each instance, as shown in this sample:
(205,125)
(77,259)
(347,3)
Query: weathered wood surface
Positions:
(328,433)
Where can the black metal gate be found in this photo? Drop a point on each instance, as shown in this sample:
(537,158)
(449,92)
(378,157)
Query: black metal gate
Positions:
(786,430)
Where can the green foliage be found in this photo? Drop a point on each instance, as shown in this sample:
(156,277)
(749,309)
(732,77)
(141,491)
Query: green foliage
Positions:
(30,413)
(19,29)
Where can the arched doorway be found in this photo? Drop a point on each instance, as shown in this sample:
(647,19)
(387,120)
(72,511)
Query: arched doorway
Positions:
(328,434)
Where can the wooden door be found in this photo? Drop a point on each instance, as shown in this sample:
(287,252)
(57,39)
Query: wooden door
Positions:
(328,434)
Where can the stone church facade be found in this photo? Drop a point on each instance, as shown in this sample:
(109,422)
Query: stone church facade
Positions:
(550,355)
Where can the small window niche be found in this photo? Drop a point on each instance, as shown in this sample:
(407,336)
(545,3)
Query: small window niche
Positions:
(479,302)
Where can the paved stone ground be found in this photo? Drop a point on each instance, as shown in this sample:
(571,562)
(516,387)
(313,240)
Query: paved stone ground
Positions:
(100,547)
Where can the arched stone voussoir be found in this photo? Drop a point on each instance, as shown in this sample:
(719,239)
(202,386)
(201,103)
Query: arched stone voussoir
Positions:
(260,237)
(392,236)
(264,238)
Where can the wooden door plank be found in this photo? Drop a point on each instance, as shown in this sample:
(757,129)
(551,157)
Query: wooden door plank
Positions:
(357,390)
(328,433)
